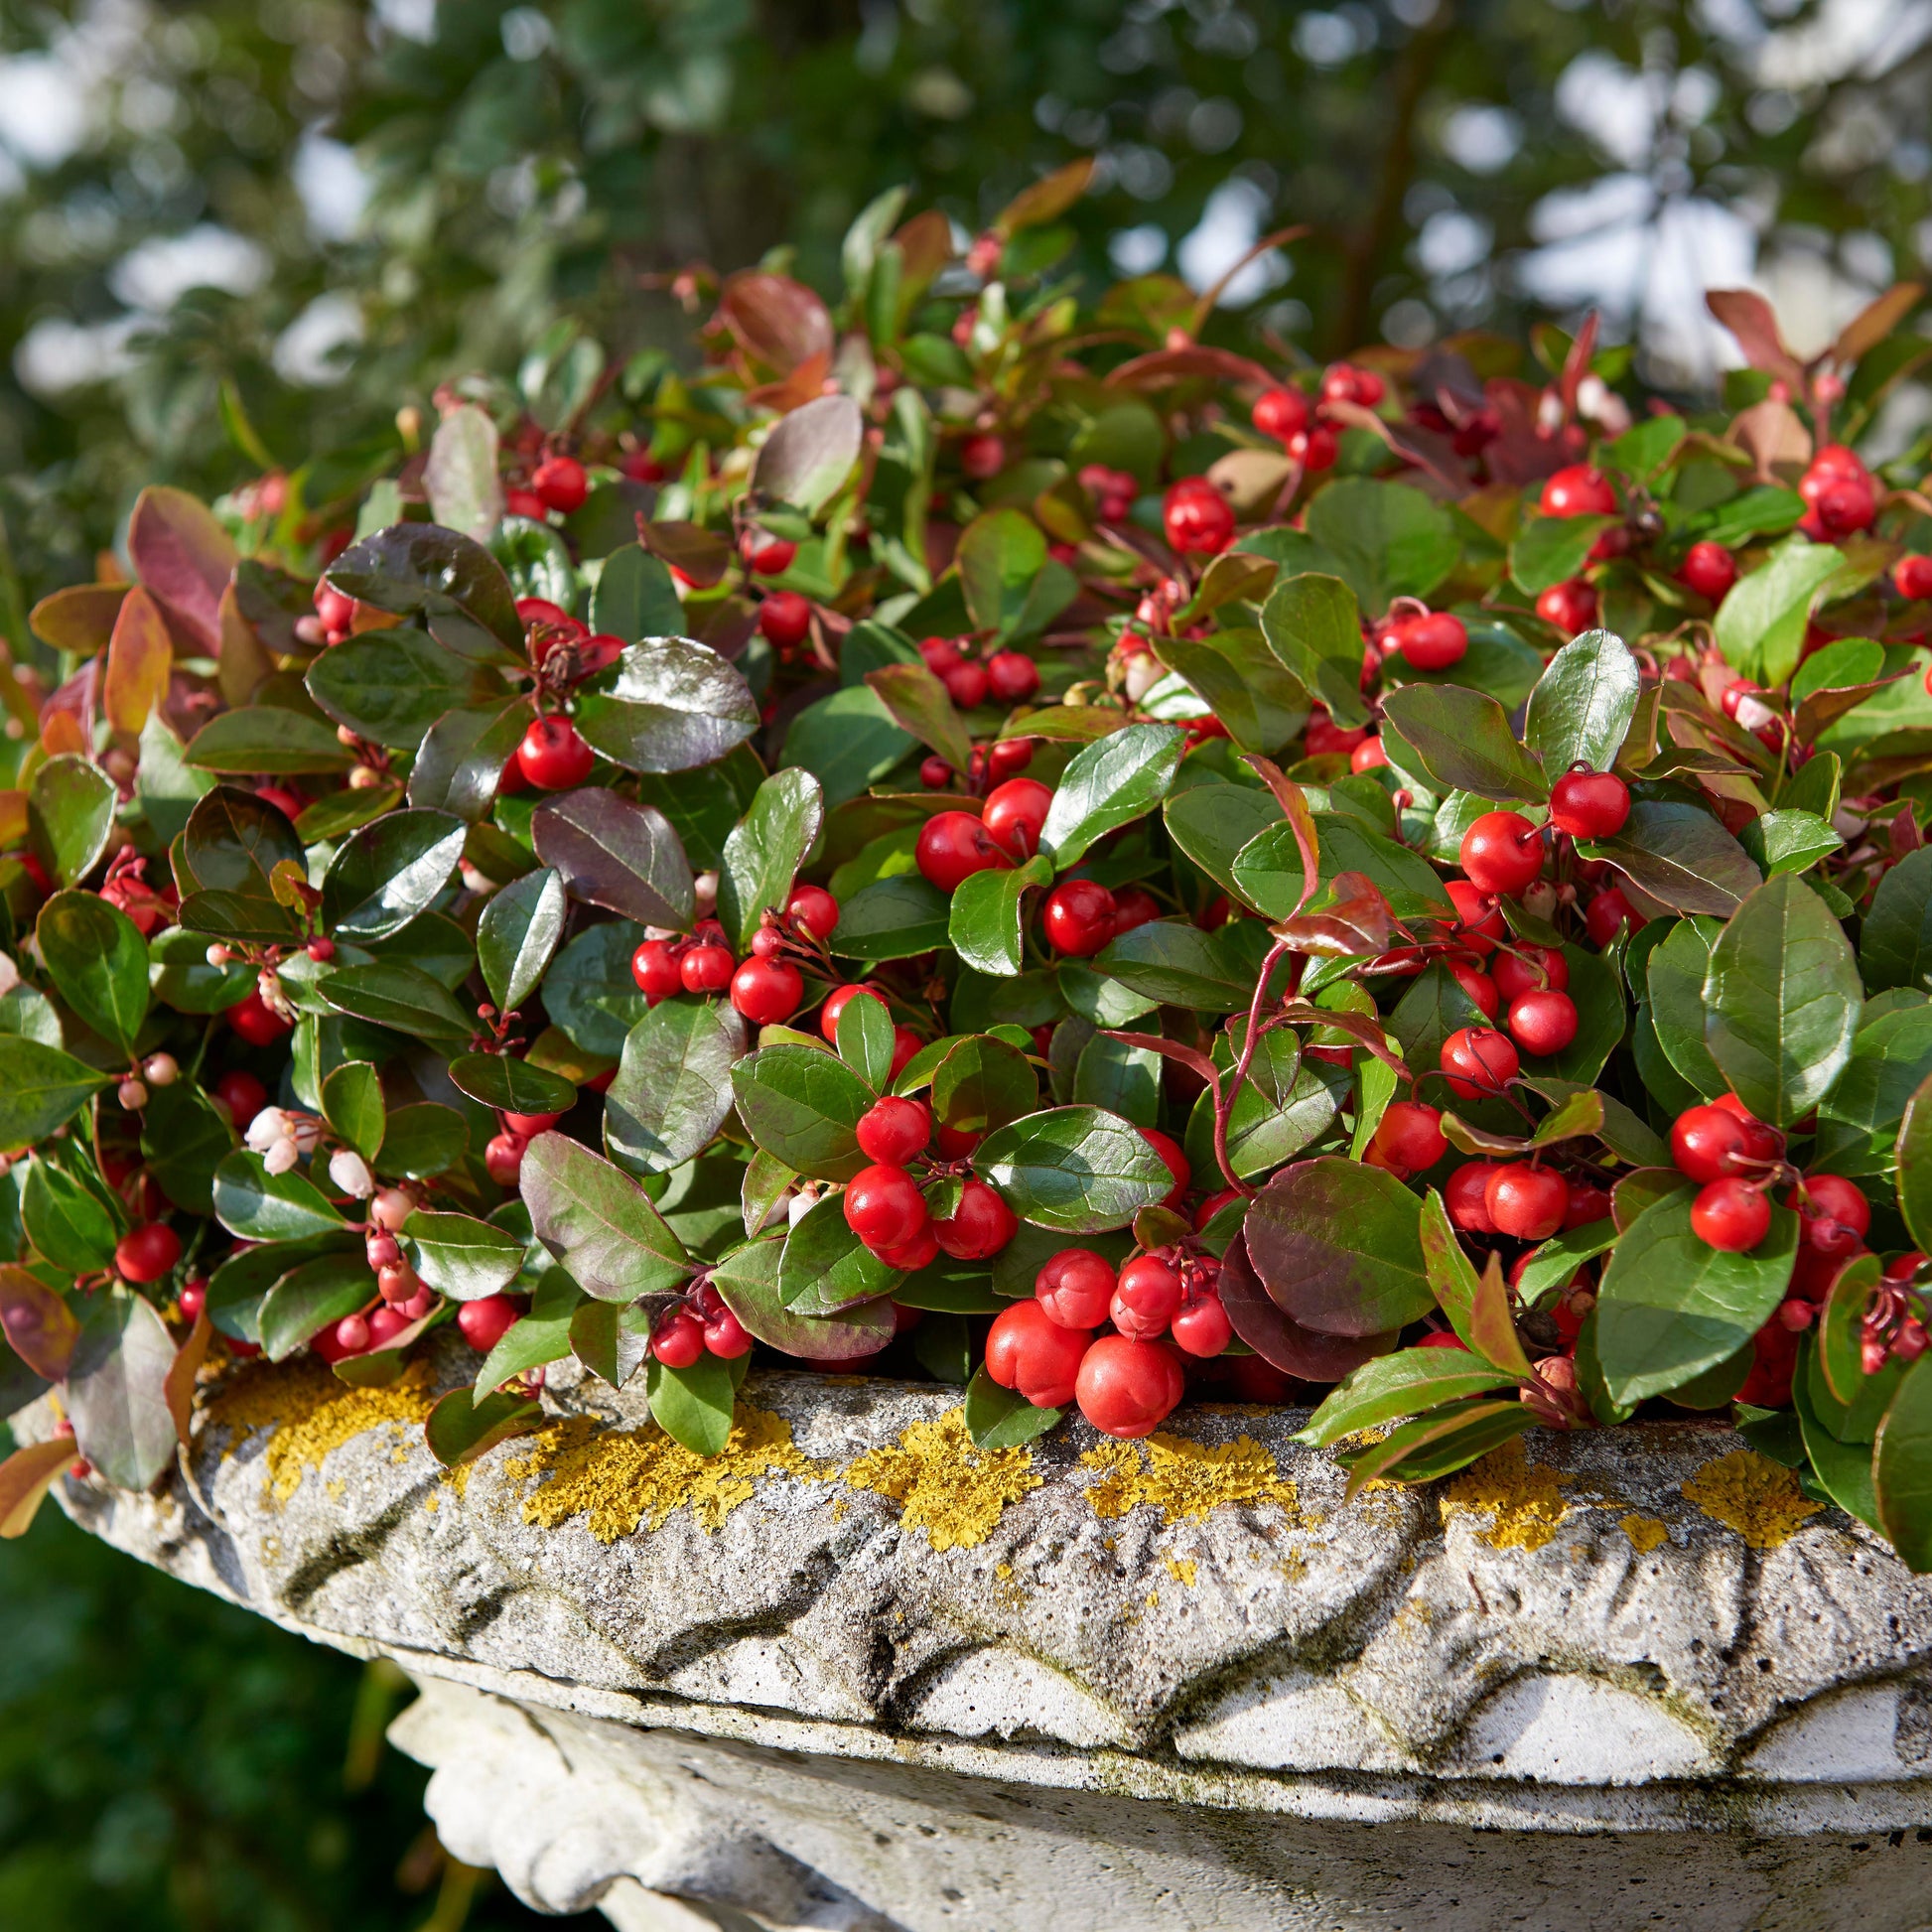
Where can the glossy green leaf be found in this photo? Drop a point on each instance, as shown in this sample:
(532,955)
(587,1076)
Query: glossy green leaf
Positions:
(260,1206)
(1109,783)
(1680,853)
(893,918)
(1464,741)
(666,705)
(1783,1001)
(1337,1246)
(998,1418)
(1670,1307)
(460,1256)
(1549,549)
(1178,964)
(598,1222)
(268,739)
(1312,624)
(986,925)
(519,934)
(866,1041)
(116,1390)
(672,1090)
(1761,625)
(383,876)
(391,686)
(1896,940)
(810,452)
(1583,704)
(1074,1169)
(98,961)
(847,740)
(308,1297)
(421,1141)
(352,1104)
(1244,684)
(824,1266)
(635,597)
(464,1426)
(183,1142)
(982,1082)
(69,1222)
(448,579)
(511,1086)
(922,705)
(693,1405)
(1212,823)
(1915,1165)
(41,1088)
(1394,1386)
(1788,841)
(589,992)
(612,852)
(1844,1470)
(69,814)
(747,1280)
(1390,539)
(803,1107)
(766,850)
(460,763)
(399,997)
(233,841)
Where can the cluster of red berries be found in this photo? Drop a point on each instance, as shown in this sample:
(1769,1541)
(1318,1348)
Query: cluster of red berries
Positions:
(700,1324)
(1111,491)
(989,764)
(1841,495)
(1127,1382)
(1305,428)
(558,482)
(768,988)
(1008,676)
(887,1209)
(503,1151)
(1425,639)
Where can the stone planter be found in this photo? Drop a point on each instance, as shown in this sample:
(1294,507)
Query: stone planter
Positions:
(854,1674)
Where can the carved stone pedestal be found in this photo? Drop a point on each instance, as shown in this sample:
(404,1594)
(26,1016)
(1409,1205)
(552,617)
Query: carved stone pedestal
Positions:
(854,1674)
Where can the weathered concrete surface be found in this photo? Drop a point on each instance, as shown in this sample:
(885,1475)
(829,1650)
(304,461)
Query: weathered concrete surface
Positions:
(854,1674)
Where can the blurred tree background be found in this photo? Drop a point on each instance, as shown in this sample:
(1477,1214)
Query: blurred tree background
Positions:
(240,233)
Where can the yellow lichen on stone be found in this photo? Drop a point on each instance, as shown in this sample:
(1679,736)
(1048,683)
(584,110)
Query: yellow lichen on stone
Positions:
(619,1478)
(1185,1480)
(309,1411)
(943,1485)
(1645,1531)
(1181,1569)
(1520,1494)
(1749,1493)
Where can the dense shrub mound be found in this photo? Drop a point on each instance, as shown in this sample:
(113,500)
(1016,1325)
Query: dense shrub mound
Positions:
(1012,845)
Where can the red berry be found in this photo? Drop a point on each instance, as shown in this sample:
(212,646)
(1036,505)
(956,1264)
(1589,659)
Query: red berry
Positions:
(982,457)
(1147,1298)
(1128,1388)
(1197,517)
(1914,576)
(941,655)
(1845,506)
(503,1159)
(815,910)
(906,1048)
(1169,1149)
(767,556)
(1543,1021)
(1467,1197)
(530,1125)
(909,1258)
(284,800)
(553,756)
(767,992)
(1028,1352)
(1326,738)
(1502,852)
(193,1298)
(1202,1328)
(243,1094)
(386,1323)
(965,685)
(1571,606)
(952,847)
(706,968)
(656,969)
(1013,814)
(335,611)
(1008,758)
(1708,569)
(1279,413)
(1607,912)
(935,774)
(1587,1204)
(486,1321)
(540,613)
(836,1003)
(1315,448)
(1078,916)
(1410,1135)
(1834,1215)
(979,1227)
(1480,920)
(883,1207)
(257,1022)
(1526,1202)
(1478,985)
(725,1337)
(1730,1215)
(1478,1061)
(525,503)
(1134,907)
(1075,1288)
(1579,491)
(1709,1143)
(1368,756)
(784,619)
(1431,643)
(892,1130)
(145,1254)
(1529,969)
(1012,675)
(1590,804)
(679,1339)
(561,482)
